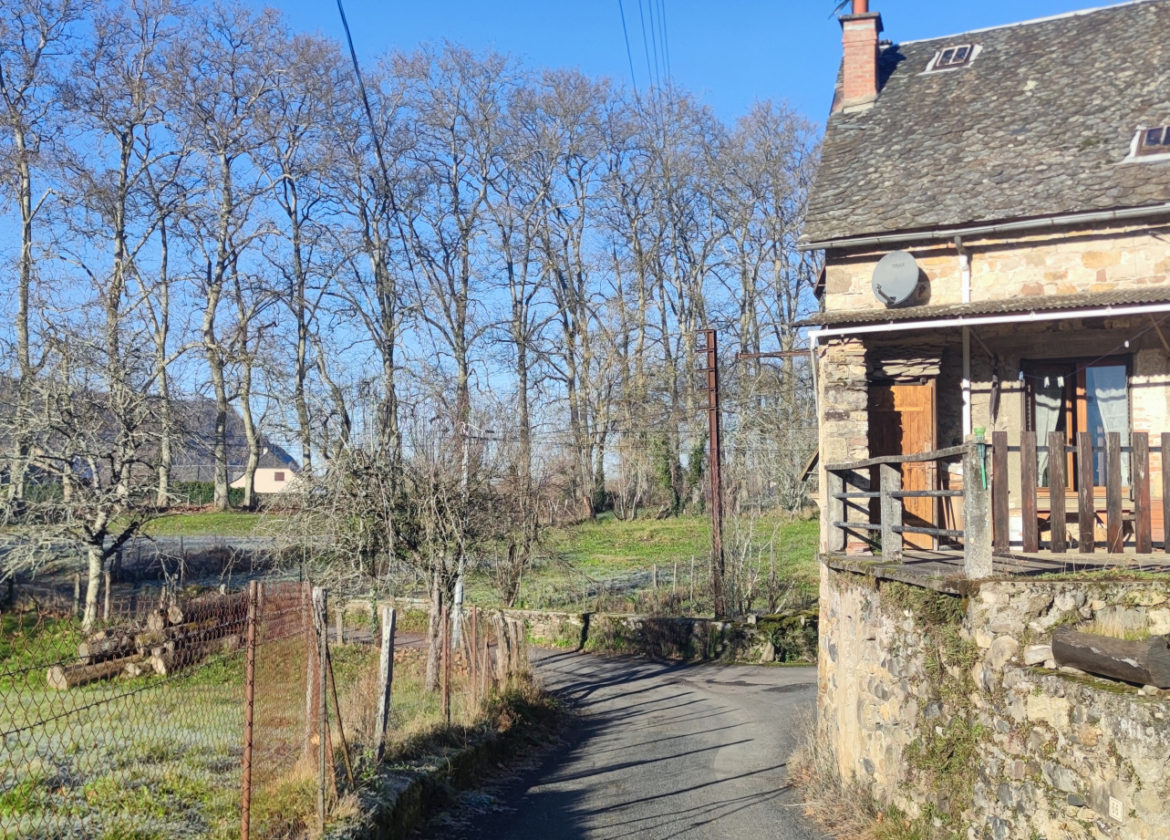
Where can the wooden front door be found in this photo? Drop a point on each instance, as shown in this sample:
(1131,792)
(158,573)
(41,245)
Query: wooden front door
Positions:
(902,421)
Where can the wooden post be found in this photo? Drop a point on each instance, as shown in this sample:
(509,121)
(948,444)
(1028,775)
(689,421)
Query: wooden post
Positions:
(1086,507)
(445,664)
(1142,519)
(836,510)
(320,605)
(312,681)
(249,708)
(1056,484)
(76,594)
(1030,530)
(890,480)
(339,619)
(109,597)
(472,667)
(999,492)
(385,682)
(1113,532)
(1165,456)
(976,516)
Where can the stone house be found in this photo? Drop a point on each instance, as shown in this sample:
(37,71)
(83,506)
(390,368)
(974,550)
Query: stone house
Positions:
(994,210)
(993,365)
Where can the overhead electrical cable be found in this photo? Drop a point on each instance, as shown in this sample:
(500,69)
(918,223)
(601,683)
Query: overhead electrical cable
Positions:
(357,70)
(654,40)
(629,55)
(666,40)
(646,47)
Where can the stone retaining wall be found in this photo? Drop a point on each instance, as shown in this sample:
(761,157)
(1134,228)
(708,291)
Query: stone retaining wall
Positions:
(952,709)
(780,638)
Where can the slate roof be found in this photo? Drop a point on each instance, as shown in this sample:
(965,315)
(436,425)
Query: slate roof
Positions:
(1006,306)
(1037,125)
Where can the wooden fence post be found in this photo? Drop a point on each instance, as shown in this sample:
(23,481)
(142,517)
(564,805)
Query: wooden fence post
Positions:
(836,510)
(976,515)
(445,663)
(1142,519)
(1057,518)
(320,605)
(1086,507)
(249,708)
(1113,530)
(890,480)
(1000,512)
(1030,530)
(385,681)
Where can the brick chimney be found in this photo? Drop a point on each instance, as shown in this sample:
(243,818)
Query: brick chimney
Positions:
(859,36)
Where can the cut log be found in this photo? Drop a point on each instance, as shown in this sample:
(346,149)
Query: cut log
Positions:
(156,621)
(1143,663)
(61,677)
(105,646)
(137,666)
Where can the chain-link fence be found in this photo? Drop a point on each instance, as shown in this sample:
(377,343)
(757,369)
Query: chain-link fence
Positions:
(230,714)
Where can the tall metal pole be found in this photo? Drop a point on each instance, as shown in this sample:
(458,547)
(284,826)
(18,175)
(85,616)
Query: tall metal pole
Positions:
(714,469)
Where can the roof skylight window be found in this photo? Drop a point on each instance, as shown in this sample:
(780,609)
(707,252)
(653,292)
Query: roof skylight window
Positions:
(956,55)
(1154,141)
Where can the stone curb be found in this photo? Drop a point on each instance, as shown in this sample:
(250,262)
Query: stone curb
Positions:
(399,800)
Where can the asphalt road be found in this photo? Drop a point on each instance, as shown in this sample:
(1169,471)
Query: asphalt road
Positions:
(661,751)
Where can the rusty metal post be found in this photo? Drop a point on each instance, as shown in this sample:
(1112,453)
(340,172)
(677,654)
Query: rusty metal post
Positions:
(249,706)
(715,460)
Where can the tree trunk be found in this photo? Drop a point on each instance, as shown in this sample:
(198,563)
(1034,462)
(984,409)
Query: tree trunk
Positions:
(93,585)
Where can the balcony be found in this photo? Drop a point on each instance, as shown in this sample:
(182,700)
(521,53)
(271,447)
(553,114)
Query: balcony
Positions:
(987,512)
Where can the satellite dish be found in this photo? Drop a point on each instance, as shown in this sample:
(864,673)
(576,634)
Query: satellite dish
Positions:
(895,279)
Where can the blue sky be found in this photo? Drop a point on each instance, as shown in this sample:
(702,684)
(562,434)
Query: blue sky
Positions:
(727,52)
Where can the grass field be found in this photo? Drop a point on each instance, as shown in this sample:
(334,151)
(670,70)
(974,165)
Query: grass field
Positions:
(153,758)
(612,564)
(214,523)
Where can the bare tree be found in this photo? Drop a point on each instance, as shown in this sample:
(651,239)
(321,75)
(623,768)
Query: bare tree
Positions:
(221,75)
(33,34)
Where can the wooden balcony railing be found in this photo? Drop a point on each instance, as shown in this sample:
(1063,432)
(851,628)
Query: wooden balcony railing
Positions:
(1099,496)
(850,491)
(1001,487)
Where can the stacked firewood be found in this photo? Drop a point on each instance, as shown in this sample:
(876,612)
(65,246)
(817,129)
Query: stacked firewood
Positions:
(166,640)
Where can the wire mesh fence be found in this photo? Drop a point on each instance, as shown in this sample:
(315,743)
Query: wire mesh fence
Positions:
(232,714)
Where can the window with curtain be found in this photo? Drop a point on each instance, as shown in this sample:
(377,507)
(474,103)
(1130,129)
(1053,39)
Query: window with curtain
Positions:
(1072,396)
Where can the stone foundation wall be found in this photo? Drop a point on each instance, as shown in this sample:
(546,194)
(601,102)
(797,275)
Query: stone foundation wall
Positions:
(951,708)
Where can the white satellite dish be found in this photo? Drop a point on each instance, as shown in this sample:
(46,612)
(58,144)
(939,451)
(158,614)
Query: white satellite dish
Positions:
(895,279)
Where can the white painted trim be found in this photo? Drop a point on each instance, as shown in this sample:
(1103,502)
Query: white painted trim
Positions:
(1034,316)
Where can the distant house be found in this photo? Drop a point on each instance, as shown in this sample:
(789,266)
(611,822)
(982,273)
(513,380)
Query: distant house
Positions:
(276,473)
(994,210)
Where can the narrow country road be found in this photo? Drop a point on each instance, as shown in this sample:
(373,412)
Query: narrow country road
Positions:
(661,751)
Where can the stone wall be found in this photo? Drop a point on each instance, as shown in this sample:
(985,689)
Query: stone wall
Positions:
(789,637)
(951,708)
(1069,262)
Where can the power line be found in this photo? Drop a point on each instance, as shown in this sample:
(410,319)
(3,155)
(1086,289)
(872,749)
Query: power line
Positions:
(629,55)
(654,40)
(646,46)
(665,39)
